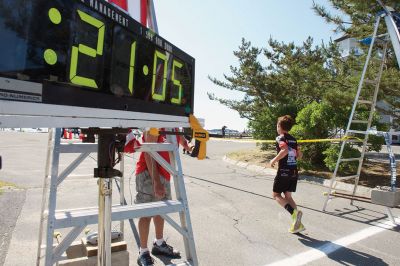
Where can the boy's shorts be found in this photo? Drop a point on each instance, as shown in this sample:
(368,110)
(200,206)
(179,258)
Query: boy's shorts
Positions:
(285,180)
(145,191)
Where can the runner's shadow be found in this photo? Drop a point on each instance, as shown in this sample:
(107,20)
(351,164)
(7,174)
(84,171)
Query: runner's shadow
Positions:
(341,254)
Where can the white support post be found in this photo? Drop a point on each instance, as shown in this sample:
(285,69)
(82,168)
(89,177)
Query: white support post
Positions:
(181,196)
(44,194)
(122,192)
(52,198)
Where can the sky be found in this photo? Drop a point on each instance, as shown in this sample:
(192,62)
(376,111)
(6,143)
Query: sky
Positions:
(210,30)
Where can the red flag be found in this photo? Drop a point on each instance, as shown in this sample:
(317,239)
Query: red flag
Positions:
(137,9)
(143,12)
(121,3)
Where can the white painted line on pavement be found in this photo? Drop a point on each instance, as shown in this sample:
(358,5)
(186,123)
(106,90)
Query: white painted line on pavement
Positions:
(324,250)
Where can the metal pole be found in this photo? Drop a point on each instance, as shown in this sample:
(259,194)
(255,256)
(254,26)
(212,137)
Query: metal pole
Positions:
(152,16)
(105,198)
(104,241)
(52,198)
(44,194)
(122,192)
(184,216)
(392,161)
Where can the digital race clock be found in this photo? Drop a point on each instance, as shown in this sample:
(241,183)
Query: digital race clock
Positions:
(88,53)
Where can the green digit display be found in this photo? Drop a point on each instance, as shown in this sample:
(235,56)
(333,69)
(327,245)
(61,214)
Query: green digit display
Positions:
(86,50)
(156,96)
(132,67)
(178,100)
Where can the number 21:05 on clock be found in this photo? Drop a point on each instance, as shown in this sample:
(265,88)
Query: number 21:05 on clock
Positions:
(93,55)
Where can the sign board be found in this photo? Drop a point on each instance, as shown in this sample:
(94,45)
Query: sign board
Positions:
(80,63)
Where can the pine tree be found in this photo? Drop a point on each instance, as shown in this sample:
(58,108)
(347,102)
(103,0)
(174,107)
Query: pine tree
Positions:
(357,20)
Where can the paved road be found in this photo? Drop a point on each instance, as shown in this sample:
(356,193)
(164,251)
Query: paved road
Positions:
(8,217)
(235,220)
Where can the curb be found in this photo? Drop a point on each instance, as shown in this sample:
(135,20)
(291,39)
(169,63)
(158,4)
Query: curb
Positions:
(361,190)
(380,156)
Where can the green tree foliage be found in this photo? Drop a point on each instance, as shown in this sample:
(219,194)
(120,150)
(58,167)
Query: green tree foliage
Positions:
(304,81)
(357,16)
(315,121)
(331,156)
(357,20)
(294,77)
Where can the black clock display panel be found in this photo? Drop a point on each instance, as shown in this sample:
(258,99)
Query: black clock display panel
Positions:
(89,53)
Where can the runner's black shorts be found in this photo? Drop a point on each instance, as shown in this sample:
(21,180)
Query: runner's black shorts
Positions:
(285,180)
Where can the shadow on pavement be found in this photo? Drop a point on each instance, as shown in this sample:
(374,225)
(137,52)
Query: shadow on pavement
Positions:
(341,254)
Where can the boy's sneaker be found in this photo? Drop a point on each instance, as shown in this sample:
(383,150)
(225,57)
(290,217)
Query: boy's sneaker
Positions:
(298,229)
(296,217)
(165,250)
(145,259)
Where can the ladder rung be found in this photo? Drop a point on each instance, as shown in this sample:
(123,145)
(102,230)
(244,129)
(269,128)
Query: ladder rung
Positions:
(78,147)
(350,159)
(359,121)
(340,178)
(357,131)
(149,147)
(370,81)
(92,147)
(365,101)
(85,209)
(73,218)
(381,40)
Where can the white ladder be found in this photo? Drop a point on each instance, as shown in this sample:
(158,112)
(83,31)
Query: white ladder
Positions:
(49,195)
(78,219)
(366,96)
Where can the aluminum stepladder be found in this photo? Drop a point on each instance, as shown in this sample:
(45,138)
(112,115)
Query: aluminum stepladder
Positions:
(363,98)
(78,219)
(49,195)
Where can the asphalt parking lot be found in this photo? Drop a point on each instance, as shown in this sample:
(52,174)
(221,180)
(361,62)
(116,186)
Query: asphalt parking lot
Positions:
(234,218)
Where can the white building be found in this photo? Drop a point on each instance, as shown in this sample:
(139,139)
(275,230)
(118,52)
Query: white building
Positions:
(348,45)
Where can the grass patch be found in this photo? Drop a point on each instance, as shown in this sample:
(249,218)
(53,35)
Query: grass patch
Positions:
(374,172)
(253,156)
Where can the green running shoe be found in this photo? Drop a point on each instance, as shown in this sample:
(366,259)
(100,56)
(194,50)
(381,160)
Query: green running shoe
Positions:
(295,230)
